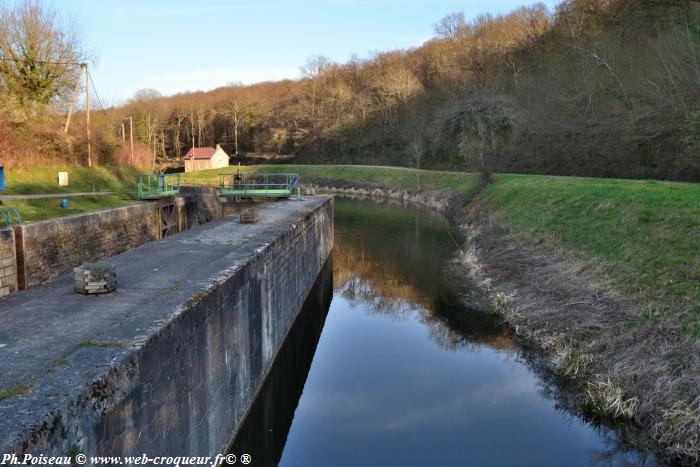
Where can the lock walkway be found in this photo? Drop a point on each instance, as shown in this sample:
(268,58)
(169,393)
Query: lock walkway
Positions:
(42,327)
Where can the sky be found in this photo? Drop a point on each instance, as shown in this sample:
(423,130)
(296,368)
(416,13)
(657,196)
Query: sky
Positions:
(177,46)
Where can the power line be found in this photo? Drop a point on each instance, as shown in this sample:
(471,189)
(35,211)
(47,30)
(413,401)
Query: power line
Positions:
(107,114)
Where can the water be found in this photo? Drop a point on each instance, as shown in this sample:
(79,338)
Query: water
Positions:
(402,373)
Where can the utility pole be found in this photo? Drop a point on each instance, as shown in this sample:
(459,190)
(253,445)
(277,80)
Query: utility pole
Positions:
(73,100)
(131,137)
(87,113)
(418,167)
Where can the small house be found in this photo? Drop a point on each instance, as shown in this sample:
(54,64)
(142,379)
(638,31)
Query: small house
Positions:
(206,158)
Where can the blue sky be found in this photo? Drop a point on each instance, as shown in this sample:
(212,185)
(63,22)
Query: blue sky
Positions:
(176,45)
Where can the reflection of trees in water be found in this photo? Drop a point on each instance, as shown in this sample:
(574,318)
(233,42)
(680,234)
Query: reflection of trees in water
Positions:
(383,285)
(360,292)
(395,264)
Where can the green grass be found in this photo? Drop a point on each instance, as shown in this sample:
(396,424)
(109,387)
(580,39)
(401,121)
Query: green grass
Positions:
(18,390)
(462,183)
(44,179)
(645,234)
(40,209)
(104,345)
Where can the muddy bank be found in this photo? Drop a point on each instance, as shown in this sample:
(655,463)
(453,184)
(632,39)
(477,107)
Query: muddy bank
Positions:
(643,376)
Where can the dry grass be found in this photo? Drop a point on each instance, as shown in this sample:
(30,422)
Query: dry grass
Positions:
(678,429)
(609,400)
(624,371)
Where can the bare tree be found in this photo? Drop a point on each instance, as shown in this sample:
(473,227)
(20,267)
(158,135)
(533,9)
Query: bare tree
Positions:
(313,72)
(40,52)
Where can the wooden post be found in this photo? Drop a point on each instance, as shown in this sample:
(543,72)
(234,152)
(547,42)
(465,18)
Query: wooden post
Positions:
(131,137)
(87,113)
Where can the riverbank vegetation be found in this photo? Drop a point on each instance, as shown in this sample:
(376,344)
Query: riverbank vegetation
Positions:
(606,283)
(643,234)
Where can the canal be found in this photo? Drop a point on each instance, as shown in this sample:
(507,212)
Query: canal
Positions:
(386,365)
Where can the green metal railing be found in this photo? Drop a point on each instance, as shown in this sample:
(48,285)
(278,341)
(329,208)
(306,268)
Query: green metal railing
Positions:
(258,185)
(6,217)
(154,186)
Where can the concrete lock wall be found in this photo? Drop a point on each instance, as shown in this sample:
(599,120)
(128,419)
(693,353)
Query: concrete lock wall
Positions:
(8,266)
(194,382)
(176,377)
(199,206)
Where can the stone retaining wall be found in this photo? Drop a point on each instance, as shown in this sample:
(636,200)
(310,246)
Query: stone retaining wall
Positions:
(55,246)
(8,265)
(195,381)
(201,205)
(47,249)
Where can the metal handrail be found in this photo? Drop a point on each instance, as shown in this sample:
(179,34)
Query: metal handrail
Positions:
(157,185)
(257,184)
(7,216)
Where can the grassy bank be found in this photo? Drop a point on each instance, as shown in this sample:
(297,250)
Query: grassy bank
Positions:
(44,179)
(462,183)
(40,209)
(644,234)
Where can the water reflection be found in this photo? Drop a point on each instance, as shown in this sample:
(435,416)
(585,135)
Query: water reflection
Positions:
(404,374)
(398,267)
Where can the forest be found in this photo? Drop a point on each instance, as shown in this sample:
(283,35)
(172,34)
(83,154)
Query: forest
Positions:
(605,88)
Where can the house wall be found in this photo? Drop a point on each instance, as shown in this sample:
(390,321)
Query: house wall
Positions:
(218,160)
(197,164)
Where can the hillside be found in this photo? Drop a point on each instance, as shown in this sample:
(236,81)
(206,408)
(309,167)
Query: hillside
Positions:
(604,88)
(597,87)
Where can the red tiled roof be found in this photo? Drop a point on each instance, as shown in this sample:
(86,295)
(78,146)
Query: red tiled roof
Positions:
(200,153)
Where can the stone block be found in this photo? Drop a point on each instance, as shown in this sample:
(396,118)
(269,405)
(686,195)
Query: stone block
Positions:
(91,281)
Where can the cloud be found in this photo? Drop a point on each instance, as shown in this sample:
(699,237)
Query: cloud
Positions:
(197,78)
